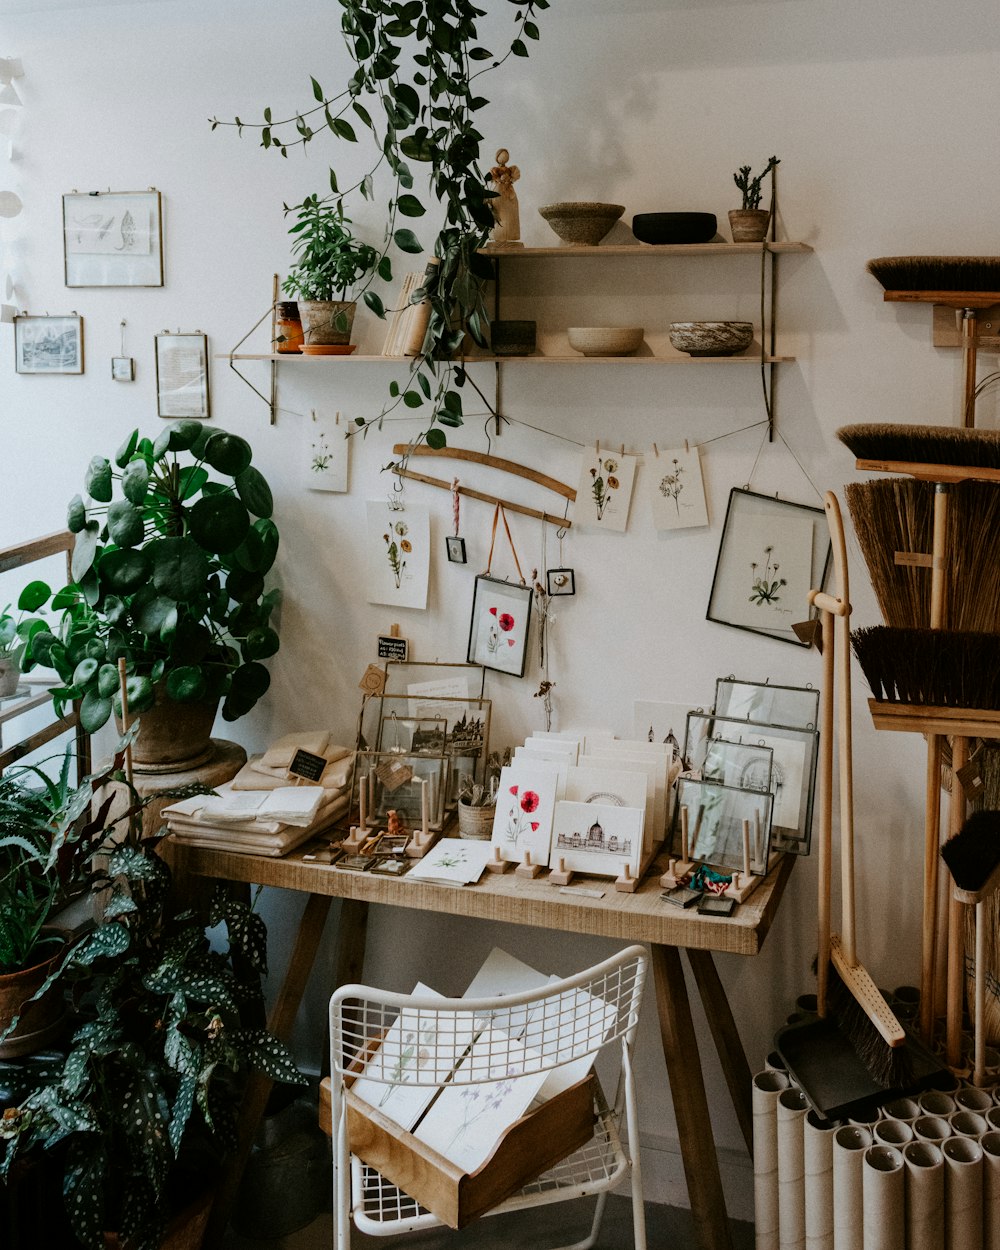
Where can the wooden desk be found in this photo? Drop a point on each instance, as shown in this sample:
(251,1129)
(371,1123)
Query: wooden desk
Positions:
(639,917)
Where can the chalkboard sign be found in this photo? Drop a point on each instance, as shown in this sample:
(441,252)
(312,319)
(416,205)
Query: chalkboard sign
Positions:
(307,766)
(390,648)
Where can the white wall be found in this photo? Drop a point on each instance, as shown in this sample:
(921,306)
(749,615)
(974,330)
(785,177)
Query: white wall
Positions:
(875,113)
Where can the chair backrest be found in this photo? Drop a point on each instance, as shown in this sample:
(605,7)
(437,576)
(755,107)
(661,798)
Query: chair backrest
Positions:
(419,1038)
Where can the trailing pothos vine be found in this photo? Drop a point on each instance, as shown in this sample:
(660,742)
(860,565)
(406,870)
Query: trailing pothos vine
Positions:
(420,61)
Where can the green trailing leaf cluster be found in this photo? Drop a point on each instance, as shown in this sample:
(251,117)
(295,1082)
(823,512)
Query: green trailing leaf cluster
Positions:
(168,573)
(752,187)
(415,93)
(165,1035)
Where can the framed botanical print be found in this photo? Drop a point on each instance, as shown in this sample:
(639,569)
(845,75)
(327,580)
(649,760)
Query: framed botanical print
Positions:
(48,344)
(182,375)
(498,636)
(113,238)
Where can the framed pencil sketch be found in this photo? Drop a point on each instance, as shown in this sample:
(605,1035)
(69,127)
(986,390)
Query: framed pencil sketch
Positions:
(113,238)
(182,375)
(772,554)
(48,344)
(715,817)
(501,614)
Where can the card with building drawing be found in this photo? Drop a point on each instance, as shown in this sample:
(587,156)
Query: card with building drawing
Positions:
(597,838)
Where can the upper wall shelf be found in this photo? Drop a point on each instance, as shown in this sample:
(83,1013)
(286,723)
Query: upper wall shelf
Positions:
(645,249)
(752,357)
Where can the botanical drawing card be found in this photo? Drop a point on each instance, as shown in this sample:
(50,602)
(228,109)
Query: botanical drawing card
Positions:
(582,1016)
(454,861)
(597,838)
(677,489)
(325,454)
(605,491)
(526,798)
(398,551)
(498,632)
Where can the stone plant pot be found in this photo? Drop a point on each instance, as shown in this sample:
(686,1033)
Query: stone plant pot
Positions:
(173,737)
(749,225)
(475,823)
(9,675)
(319,322)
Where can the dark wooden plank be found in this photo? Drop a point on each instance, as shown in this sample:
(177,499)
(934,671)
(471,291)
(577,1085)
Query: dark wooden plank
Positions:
(728,1043)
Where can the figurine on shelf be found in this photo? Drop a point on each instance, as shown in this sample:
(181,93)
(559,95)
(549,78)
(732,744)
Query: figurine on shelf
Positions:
(504,204)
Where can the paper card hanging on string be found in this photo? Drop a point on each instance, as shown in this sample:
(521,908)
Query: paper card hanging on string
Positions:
(325,453)
(605,491)
(398,554)
(677,489)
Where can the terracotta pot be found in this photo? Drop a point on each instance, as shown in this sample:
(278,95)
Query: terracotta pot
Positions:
(9,675)
(749,225)
(475,823)
(39,1022)
(319,321)
(186,1229)
(173,736)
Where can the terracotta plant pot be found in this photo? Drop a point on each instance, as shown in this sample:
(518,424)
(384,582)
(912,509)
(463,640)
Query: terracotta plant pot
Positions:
(749,225)
(173,736)
(39,1022)
(475,823)
(319,322)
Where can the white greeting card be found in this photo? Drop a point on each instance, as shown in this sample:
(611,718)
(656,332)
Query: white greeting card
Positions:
(325,453)
(656,769)
(398,552)
(565,748)
(453,861)
(526,797)
(605,491)
(588,783)
(597,838)
(677,490)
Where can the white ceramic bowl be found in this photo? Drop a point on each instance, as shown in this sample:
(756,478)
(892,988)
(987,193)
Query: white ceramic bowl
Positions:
(711,338)
(583,223)
(605,340)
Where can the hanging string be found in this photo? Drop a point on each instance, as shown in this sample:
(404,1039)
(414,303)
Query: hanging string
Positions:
(731,434)
(801,466)
(756,459)
(499,513)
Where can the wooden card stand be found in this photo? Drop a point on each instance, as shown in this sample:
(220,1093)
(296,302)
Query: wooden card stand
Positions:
(560,875)
(421,841)
(528,868)
(678,869)
(626,883)
(498,863)
(355,839)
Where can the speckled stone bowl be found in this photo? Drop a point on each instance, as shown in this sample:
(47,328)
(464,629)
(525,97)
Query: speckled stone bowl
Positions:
(711,338)
(583,223)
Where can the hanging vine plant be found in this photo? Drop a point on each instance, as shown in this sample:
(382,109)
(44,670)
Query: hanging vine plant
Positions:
(419,61)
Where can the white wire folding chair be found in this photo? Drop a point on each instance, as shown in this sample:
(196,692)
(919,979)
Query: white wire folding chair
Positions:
(406,1046)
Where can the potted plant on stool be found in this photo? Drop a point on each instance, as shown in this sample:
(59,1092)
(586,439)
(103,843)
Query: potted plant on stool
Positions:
(330,262)
(749,223)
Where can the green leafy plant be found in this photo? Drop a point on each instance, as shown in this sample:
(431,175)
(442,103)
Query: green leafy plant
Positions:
(154,1072)
(168,572)
(329,259)
(751,187)
(418,62)
(16,631)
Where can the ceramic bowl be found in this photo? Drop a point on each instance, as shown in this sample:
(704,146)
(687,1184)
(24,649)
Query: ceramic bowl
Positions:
(711,338)
(674,227)
(605,340)
(581,222)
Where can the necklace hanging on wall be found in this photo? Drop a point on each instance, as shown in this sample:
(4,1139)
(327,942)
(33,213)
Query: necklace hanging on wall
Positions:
(455,545)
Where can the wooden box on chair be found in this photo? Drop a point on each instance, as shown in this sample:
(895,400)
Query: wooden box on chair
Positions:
(536,1142)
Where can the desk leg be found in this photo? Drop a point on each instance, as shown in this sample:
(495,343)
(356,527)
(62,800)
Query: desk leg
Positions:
(687,1089)
(732,1056)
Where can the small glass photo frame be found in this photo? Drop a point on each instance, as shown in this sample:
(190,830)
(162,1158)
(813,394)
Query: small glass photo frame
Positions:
(715,818)
(394,784)
(182,375)
(455,546)
(113,238)
(48,344)
(416,735)
(747,765)
(772,554)
(501,617)
(796,707)
(560,582)
(466,724)
(123,368)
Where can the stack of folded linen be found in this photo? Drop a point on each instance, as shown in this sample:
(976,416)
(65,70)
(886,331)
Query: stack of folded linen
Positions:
(264,772)
(262,822)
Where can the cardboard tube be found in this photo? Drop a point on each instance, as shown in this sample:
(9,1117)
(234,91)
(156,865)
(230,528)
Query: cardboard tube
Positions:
(924,1192)
(968,1124)
(774,1063)
(901,1109)
(963,1194)
(849,1146)
(991,1190)
(818,1167)
(766,1087)
(936,1102)
(992,1118)
(792,1108)
(932,1128)
(968,1098)
(882,1187)
(895,1133)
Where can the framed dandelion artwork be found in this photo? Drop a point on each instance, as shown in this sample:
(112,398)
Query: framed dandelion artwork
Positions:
(498,635)
(772,554)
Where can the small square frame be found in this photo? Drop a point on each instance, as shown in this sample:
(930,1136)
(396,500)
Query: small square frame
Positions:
(721,844)
(123,368)
(47,344)
(795,707)
(113,238)
(501,618)
(182,375)
(455,546)
(560,582)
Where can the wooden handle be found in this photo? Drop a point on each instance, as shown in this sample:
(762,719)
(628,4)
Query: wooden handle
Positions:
(956,934)
(492,462)
(825,816)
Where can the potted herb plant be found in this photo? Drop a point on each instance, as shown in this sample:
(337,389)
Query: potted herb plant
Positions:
(15,632)
(330,262)
(141,1110)
(174,539)
(749,223)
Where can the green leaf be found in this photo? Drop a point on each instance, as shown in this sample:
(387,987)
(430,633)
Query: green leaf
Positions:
(412,400)
(219,523)
(124,571)
(257,551)
(125,523)
(252,488)
(270,1056)
(530,29)
(261,644)
(374,302)
(363,113)
(244,586)
(135,482)
(97,479)
(480,54)
(228,453)
(180,567)
(95,709)
(317,90)
(107,680)
(190,480)
(85,550)
(151,615)
(76,515)
(393,388)
(139,693)
(344,130)
(33,596)
(407,241)
(83,672)
(186,685)
(250,682)
(125,452)
(384,270)
(435,438)
(182,435)
(410,206)
(518,48)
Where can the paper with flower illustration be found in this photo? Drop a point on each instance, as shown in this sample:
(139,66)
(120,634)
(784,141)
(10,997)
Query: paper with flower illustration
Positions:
(501,615)
(526,798)
(597,838)
(466,1121)
(325,450)
(605,491)
(398,554)
(676,489)
(454,861)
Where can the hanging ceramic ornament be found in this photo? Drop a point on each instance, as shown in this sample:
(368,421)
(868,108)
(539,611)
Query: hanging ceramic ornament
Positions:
(455,545)
(677,490)
(326,454)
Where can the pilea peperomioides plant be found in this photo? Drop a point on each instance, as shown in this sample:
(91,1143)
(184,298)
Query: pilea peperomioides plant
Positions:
(418,61)
(168,572)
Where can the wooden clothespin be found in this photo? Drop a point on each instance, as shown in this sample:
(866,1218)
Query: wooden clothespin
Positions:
(656,451)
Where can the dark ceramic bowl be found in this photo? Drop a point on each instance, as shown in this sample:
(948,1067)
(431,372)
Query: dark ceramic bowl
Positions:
(674,227)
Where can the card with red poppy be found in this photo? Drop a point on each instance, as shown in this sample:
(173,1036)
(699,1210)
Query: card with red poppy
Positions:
(498,635)
(526,797)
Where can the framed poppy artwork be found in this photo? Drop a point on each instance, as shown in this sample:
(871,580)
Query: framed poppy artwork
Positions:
(501,614)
